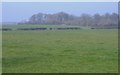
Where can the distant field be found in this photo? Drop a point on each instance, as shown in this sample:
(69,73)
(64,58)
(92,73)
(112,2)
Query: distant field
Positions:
(81,51)
(14,27)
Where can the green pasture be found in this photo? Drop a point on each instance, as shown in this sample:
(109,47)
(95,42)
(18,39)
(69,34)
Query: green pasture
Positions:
(65,51)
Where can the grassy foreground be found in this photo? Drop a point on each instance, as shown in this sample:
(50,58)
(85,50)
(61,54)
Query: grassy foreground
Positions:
(0,60)
(92,51)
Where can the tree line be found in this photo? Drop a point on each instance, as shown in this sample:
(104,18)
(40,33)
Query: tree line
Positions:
(95,21)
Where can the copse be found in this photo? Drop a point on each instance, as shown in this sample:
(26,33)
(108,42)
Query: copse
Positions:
(96,20)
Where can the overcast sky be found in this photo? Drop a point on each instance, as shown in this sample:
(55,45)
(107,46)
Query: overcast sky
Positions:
(18,11)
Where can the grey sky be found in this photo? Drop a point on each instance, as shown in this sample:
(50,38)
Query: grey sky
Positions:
(18,11)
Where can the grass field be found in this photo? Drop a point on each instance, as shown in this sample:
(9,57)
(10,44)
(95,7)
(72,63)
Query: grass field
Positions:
(81,51)
(14,27)
(0,51)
